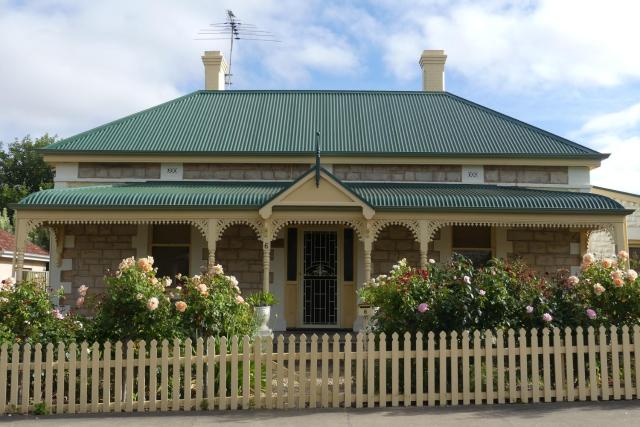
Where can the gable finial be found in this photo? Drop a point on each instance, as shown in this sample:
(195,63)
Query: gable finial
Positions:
(317,159)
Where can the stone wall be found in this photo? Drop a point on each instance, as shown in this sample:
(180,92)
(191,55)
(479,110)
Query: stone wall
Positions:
(394,243)
(240,253)
(119,170)
(407,173)
(526,174)
(246,171)
(546,250)
(96,249)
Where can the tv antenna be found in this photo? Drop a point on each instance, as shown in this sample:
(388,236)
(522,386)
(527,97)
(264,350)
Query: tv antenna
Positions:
(234,29)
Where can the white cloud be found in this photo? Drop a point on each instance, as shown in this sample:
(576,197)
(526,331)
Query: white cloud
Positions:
(617,133)
(69,65)
(518,45)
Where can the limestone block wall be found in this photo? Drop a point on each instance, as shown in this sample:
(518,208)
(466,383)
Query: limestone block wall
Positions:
(407,173)
(546,250)
(240,253)
(119,170)
(394,243)
(96,249)
(248,171)
(526,174)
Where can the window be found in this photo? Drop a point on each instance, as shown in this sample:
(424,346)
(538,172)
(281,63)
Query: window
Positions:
(473,243)
(292,254)
(170,245)
(348,255)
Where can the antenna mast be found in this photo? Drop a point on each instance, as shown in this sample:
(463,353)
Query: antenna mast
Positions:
(234,29)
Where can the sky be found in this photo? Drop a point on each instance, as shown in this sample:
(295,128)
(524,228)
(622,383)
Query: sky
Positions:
(571,67)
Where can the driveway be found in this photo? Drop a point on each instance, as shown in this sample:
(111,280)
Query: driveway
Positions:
(620,413)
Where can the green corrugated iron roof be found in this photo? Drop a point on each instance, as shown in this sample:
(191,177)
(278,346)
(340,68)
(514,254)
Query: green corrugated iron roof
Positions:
(350,123)
(159,195)
(243,194)
(456,197)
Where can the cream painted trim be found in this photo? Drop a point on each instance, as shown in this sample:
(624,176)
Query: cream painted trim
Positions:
(616,195)
(281,200)
(329,159)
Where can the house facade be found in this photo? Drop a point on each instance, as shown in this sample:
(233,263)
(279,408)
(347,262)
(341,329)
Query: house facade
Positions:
(309,194)
(36,259)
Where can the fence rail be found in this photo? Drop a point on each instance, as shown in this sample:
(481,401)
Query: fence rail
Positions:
(370,370)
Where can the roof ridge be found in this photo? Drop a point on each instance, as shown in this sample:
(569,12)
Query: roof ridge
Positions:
(522,123)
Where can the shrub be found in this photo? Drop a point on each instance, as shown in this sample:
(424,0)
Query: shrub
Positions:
(212,305)
(27,315)
(135,306)
(504,294)
(262,299)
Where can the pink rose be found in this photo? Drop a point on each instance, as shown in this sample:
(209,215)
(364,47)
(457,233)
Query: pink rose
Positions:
(598,289)
(239,299)
(82,290)
(624,255)
(80,301)
(607,263)
(423,307)
(482,292)
(588,259)
(547,317)
(591,314)
(618,282)
(572,280)
(529,309)
(632,275)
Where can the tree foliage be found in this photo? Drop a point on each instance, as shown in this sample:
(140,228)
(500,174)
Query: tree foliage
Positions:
(22,172)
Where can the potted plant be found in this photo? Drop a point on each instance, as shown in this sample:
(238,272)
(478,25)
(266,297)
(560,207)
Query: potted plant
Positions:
(261,303)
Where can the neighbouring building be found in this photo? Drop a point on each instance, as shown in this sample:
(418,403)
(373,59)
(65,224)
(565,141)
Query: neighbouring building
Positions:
(36,259)
(234,177)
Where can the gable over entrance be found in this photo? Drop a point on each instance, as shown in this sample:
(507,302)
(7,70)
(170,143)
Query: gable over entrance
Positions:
(317,189)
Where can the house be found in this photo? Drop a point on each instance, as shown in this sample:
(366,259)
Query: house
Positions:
(36,259)
(600,242)
(309,194)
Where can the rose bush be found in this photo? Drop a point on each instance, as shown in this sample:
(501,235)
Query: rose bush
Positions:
(27,315)
(212,305)
(504,294)
(138,305)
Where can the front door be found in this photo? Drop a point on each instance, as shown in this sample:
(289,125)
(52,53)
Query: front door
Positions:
(320,278)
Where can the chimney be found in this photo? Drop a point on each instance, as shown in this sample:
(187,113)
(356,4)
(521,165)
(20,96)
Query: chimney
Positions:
(432,64)
(215,68)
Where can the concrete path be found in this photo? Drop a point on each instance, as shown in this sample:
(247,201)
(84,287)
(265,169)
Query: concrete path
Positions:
(550,414)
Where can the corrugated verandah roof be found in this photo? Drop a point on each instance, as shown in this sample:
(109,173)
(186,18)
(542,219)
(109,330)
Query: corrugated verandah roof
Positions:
(350,122)
(381,196)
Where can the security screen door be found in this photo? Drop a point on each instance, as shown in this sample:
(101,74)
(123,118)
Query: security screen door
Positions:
(320,278)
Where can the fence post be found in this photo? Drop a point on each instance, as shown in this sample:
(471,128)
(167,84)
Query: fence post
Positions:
(419,370)
(141,362)
(106,378)
(48,379)
(60,380)
(568,353)
(3,377)
(636,357)
(394,369)
(153,373)
(325,371)
(382,364)
(313,383)
(626,360)
(15,370)
(26,377)
(511,341)
(257,376)
(335,400)
(246,371)
(37,376)
(118,378)
(186,385)
(615,362)
(200,403)
(164,376)
(535,368)
(593,379)
(280,373)
(477,368)
(175,384)
(211,372)
(524,366)
(431,369)
(582,388)
(302,388)
(73,350)
(500,364)
(291,370)
(359,367)
(442,347)
(557,364)
(488,345)
(222,393)
(466,392)
(604,367)
(406,347)
(234,372)
(129,379)
(454,369)
(268,366)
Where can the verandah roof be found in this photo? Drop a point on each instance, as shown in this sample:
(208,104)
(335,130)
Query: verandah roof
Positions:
(381,196)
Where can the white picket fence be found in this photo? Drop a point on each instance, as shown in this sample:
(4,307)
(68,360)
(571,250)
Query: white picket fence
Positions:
(448,369)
